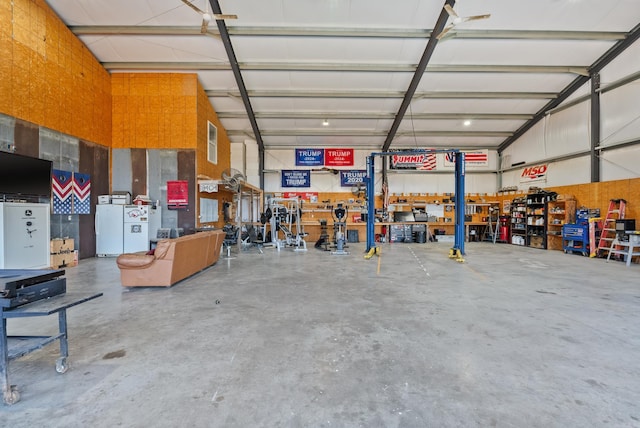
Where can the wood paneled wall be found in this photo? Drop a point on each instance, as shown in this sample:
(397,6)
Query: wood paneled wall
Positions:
(154,110)
(48,76)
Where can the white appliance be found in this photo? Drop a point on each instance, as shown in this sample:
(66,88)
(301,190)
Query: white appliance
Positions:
(155,221)
(24,235)
(109,230)
(136,228)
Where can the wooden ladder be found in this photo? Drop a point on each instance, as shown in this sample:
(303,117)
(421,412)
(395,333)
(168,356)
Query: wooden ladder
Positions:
(608,233)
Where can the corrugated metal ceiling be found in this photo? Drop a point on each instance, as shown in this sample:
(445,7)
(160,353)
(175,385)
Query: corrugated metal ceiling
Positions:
(351,62)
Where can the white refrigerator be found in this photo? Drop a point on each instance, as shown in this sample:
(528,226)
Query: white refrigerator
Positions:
(136,228)
(109,230)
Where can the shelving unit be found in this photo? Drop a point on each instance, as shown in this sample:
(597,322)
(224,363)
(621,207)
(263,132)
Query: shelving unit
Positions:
(519,221)
(559,213)
(537,220)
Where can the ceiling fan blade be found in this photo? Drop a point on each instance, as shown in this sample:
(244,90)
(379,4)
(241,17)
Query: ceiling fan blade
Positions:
(203,28)
(193,6)
(445,31)
(452,13)
(224,16)
(475,18)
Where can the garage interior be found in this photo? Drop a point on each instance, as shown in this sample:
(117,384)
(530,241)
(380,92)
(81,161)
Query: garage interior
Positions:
(484,275)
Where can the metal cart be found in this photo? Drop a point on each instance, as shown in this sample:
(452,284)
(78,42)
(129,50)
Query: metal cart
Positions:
(575,238)
(33,293)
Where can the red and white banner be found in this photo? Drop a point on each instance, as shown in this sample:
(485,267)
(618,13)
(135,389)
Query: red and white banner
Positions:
(307,196)
(338,157)
(472,158)
(419,162)
(534,173)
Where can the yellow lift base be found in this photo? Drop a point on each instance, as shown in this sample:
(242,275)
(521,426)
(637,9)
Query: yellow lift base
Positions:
(455,253)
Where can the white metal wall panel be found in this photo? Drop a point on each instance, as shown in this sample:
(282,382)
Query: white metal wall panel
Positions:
(620,114)
(530,147)
(617,164)
(627,63)
(572,171)
(568,131)
(253,162)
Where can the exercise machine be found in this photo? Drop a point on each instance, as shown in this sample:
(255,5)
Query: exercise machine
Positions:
(282,219)
(339,215)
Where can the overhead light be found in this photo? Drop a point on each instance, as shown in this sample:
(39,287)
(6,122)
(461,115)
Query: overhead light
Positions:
(325,122)
(467,123)
(206,17)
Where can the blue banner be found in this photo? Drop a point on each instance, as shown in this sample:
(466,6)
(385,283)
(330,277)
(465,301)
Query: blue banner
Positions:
(296,178)
(309,157)
(352,177)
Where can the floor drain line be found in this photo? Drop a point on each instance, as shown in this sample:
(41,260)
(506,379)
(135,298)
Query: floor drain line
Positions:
(422,266)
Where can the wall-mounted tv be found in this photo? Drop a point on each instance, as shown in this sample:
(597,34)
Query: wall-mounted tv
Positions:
(24,177)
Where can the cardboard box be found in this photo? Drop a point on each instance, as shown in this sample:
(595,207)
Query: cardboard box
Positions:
(62,246)
(536,242)
(63,260)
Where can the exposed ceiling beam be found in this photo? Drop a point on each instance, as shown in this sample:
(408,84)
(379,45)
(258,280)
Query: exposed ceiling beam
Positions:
(577,83)
(380,94)
(342,67)
(366,133)
(231,55)
(417,76)
(388,33)
(371,115)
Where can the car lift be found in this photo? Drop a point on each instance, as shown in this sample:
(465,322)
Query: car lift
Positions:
(457,251)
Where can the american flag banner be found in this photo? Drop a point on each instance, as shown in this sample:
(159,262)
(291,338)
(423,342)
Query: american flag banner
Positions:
(61,186)
(81,193)
(471,158)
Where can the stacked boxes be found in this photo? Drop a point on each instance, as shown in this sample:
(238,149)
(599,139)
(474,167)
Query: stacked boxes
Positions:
(63,253)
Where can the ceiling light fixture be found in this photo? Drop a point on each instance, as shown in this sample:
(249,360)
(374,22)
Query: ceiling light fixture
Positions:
(467,123)
(325,122)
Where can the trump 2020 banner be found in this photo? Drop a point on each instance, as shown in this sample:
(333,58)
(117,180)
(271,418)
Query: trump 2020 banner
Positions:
(295,178)
(352,177)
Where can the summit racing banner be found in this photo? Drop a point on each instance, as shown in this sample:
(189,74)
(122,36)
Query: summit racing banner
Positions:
(416,161)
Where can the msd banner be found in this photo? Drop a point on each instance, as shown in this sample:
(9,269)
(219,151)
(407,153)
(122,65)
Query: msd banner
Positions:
(349,178)
(309,157)
(534,173)
(420,161)
(338,157)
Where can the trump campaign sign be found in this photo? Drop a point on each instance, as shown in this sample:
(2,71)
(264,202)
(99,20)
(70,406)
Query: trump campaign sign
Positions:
(338,157)
(352,177)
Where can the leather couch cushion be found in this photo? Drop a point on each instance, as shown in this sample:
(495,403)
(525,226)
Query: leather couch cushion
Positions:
(134,261)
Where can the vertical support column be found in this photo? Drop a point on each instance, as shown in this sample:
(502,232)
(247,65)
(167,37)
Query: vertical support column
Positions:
(62,327)
(595,127)
(261,166)
(371,179)
(459,203)
(4,356)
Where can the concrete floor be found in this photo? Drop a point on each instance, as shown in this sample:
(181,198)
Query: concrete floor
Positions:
(513,337)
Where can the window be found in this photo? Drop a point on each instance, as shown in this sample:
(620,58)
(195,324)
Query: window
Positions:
(212,146)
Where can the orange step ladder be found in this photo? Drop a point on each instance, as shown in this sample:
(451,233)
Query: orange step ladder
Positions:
(608,233)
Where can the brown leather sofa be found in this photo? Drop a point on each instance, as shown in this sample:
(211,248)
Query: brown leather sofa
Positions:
(172,260)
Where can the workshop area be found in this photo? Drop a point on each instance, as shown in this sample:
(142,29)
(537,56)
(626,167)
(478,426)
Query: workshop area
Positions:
(420,343)
(319,213)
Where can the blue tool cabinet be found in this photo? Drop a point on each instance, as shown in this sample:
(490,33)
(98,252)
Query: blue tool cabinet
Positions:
(575,238)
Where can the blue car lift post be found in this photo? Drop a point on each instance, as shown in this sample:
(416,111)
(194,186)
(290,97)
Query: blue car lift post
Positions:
(458,248)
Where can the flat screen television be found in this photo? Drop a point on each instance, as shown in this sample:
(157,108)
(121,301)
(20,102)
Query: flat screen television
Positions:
(24,177)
